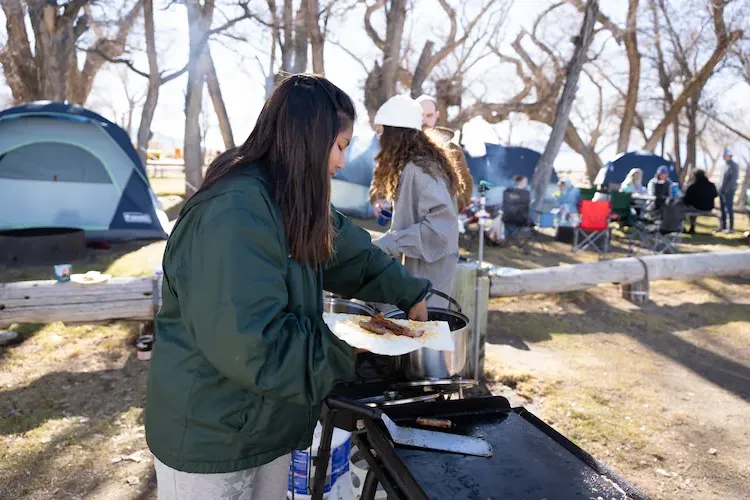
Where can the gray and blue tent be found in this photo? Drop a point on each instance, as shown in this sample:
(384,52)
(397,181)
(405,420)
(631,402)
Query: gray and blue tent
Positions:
(351,185)
(63,166)
(616,170)
(500,164)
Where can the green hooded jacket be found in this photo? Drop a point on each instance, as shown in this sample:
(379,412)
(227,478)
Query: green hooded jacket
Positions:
(242,358)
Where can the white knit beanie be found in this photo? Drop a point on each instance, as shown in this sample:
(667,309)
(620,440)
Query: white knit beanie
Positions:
(400,111)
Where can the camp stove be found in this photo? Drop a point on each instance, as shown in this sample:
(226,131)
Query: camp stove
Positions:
(528,458)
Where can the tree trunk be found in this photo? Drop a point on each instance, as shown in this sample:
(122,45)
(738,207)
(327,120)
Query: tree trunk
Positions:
(287,46)
(154,83)
(634,77)
(317,37)
(55,45)
(300,39)
(543,171)
(421,71)
(214,90)
(592,159)
(395,20)
(16,57)
(691,158)
(199,19)
(676,143)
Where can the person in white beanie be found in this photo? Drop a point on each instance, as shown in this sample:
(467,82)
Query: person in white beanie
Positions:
(417,178)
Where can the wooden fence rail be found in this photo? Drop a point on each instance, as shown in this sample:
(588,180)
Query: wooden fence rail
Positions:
(48,301)
(622,271)
(136,298)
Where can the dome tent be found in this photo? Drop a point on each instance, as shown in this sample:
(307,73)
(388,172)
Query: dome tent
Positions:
(63,166)
(500,164)
(616,170)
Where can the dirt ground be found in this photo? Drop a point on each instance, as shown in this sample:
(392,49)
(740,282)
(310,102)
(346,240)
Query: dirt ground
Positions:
(660,393)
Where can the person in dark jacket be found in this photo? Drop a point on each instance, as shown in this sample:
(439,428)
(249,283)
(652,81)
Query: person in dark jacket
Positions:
(727,188)
(700,196)
(243,358)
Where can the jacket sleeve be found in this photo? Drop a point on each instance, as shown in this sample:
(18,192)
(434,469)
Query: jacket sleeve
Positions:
(236,309)
(363,271)
(436,235)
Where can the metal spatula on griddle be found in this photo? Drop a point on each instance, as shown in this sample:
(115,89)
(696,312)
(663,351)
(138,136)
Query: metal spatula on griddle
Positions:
(420,438)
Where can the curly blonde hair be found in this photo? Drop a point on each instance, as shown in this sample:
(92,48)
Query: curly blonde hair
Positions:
(398,147)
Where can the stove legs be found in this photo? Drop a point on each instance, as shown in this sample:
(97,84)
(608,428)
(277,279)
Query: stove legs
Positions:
(324,455)
(370,487)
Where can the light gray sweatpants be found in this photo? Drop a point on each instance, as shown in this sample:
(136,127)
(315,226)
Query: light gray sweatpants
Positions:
(267,482)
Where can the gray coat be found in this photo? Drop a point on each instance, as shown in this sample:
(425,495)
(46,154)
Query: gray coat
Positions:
(424,230)
(729,178)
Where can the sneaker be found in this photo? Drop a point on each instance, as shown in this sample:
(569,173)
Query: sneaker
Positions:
(727,231)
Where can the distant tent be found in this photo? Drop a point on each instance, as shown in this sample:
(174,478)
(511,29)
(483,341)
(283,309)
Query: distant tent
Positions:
(500,164)
(65,166)
(616,170)
(351,185)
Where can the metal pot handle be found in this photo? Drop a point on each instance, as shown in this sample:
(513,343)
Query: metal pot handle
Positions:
(445,296)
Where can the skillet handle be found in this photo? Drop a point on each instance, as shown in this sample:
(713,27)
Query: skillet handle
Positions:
(447,297)
(346,404)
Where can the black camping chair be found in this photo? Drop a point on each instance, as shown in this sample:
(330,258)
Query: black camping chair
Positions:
(665,234)
(519,227)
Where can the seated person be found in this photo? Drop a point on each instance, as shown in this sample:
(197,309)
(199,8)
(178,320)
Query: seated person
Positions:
(568,197)
(633,183)
(660,188)
(700,196)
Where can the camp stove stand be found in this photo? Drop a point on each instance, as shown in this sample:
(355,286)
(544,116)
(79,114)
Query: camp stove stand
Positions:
(530,458)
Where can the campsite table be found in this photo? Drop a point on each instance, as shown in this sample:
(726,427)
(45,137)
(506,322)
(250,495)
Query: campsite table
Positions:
(643,197)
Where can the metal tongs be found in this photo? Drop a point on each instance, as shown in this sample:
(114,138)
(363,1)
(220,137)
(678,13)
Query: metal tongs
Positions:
(420,438)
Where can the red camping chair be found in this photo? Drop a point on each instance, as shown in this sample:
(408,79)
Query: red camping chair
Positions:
(593,230)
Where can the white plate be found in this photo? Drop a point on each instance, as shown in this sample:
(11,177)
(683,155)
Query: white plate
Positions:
(437,335)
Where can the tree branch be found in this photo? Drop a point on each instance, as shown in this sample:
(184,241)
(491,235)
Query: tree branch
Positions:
(371,9)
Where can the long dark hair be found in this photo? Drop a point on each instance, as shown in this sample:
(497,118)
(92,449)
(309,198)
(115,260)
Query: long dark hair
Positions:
(399,146)
(292,140)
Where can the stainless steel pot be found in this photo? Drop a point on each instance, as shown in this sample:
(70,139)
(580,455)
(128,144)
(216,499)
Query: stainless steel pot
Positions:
(431,364)
(343,306)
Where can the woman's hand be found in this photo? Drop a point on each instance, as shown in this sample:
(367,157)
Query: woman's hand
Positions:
(418,312)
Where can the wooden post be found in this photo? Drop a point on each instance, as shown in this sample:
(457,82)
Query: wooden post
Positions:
(464,291)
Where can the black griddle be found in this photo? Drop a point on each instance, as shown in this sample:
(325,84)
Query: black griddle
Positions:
(530,459)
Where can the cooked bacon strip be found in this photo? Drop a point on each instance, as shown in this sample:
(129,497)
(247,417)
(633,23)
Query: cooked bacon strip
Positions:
(372,327)
(395,328)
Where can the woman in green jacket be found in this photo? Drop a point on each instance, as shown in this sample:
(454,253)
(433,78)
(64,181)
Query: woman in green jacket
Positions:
(243,358)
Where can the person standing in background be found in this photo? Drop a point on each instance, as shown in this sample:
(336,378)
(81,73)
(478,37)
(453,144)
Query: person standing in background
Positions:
(443,136)
(726,192)
(418,179)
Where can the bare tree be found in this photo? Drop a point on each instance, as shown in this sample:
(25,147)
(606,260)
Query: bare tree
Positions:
(543,171)
(542,77)
(629,38)
(52,69)
(394,68)
(724,40)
